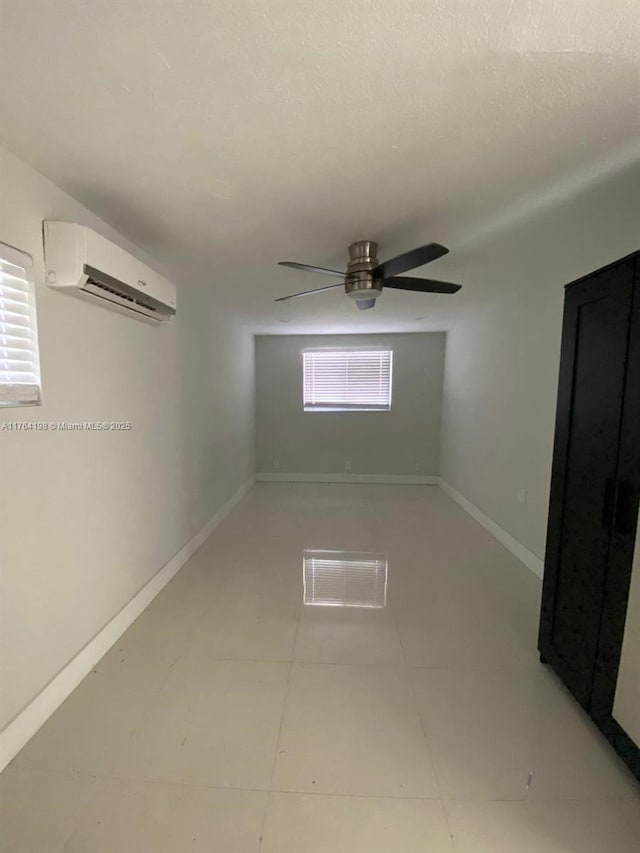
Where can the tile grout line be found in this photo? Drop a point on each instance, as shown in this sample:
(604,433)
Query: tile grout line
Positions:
(409,669)
(284,705)
(179,784)
(102,781)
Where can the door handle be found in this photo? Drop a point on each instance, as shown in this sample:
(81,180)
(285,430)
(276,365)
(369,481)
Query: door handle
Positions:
(626,514)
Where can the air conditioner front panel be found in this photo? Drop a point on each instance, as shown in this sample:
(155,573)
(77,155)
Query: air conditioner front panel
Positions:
(84,263)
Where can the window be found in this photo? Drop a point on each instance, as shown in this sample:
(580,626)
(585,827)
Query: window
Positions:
(19,365)
(347,380)
(344,579)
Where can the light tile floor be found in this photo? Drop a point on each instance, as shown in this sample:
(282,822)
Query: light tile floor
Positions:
(230,717)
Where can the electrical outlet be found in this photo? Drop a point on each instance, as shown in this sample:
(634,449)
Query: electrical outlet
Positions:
(276,464)
(418,466)
(522,496)
(347,465)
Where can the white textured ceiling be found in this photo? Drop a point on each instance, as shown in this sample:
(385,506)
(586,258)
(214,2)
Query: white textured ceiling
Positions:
(230,134)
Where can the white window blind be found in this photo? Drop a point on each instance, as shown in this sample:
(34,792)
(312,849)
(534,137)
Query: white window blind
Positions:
(345,579)
(19,364)
(347,380)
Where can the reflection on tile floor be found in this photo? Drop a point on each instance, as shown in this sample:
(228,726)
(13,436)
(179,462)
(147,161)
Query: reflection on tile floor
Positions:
(344,579)
(411,715)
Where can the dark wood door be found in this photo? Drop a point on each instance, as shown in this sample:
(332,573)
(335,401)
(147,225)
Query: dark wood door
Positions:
(584,479)
(623,534)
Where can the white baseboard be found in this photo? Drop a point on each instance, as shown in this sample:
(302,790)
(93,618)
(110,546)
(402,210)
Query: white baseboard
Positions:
(398,479)
(22,728)
(531,560)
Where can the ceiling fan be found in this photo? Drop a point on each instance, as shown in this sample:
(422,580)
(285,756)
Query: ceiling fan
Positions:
(365,277)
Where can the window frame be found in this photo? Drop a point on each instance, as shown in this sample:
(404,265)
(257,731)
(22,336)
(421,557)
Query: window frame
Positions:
(309,409)
(24,261)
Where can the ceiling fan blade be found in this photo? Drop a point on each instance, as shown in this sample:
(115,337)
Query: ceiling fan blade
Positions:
(306,268)
(365,304)
(410,260)
(307,292)
(422,285)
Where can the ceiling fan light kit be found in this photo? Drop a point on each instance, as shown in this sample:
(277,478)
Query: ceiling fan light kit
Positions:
(365,276)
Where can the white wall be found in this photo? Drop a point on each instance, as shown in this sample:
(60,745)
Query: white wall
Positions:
(87,518)
(404,440)
(503,351)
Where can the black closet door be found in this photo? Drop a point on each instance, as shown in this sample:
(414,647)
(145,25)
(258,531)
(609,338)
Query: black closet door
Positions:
(623,534)
(590,397)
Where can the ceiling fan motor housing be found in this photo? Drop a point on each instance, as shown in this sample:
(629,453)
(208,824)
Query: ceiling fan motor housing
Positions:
(359,282)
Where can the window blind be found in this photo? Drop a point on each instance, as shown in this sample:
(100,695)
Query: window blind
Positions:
(347,380)
(345,579)
(19,364)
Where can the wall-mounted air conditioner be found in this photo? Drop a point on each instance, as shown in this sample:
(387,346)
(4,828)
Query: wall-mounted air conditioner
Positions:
(83,263)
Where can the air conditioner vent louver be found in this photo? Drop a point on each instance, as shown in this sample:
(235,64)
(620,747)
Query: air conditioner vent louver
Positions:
(124,296)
